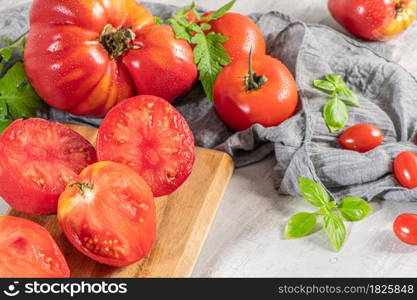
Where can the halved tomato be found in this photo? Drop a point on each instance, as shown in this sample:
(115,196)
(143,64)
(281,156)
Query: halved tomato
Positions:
(151,136)
(37,159)
(28,250)
(108,213)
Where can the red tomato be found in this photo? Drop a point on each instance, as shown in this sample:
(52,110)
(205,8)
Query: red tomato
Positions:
(405,228)
(242,32)
(269,101)
(405,169)
(85,56)
(377,20)
(149,135)
(361,138)
(190,17)
(108,214)
(28,250)
(37,159)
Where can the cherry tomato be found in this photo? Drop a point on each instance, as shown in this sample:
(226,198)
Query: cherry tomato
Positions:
(376,20)
(108,213)
(361,138)
(37,159)
(405,169)
(86,56)
(405,228)
(149,135)
(264,93)
(242,32)
(28,250)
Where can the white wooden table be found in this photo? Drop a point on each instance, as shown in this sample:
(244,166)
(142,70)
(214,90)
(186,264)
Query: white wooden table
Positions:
(246,237)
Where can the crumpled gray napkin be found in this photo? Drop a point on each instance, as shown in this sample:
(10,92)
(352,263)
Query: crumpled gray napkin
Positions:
(302,145)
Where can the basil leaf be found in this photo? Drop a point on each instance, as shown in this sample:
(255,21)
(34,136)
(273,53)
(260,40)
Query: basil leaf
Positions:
(205,26)
(324,85)
(335,230)
(313,192)
(354,209)
(353,99)
(335,114)
(300,225)
(336,80)
(220,12)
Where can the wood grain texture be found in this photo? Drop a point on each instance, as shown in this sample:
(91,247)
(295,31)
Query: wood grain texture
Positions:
(184,219)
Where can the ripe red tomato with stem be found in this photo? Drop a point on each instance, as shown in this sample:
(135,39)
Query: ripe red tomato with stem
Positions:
(242,33)
(361,137)
(86,56)
(405,228)
(258,89)
(375,20)
(37,159)
(149,135)
(28,250)
(405,169)
(108,213)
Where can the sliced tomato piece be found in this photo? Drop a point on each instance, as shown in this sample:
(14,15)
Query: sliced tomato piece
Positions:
(151,136)
(108,213)
(37,159)
(28,250)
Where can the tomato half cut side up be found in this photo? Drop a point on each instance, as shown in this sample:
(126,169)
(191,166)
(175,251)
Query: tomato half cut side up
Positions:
(149,135)
(28,250)
(37,159)
(108,213)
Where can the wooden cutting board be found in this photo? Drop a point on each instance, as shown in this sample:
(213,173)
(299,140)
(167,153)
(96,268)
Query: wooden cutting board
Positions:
(184,219)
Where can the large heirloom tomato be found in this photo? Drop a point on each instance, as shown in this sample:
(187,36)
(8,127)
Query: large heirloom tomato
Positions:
(37,159)
(108,213)
(28,250)
(149,135)
(85,56)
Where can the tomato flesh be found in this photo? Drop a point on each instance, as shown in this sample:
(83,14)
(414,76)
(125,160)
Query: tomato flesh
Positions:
(28,250)
(112,218)
(361,138)
(405,228)
(149,135)
(37,159)
(405,169)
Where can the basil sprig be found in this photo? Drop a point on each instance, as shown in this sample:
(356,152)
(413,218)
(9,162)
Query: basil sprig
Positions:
(351,209)
(335,111)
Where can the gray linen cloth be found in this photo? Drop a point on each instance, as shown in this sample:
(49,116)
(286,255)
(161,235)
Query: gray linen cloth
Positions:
(302,145)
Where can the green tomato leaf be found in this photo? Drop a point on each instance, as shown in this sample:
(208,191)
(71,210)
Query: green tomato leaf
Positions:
(180,27)
(220,12)
(354,209)
(313,192)
(4,124)
(300,225)
(205,26)
(324,85)
(210,56)
(6,53)
(19,96)
(158,20)
(335,230)
(335,114)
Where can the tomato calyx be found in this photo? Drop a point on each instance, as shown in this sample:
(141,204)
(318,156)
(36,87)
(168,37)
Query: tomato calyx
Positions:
(117,41)
(253,81)
(82,186)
